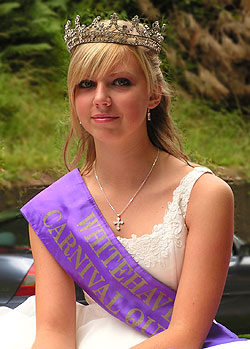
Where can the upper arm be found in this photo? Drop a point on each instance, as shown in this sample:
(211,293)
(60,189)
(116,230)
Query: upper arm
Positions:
(55,292)
(208,248)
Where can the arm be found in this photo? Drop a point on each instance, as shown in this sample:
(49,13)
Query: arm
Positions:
(55,301)
(208,248)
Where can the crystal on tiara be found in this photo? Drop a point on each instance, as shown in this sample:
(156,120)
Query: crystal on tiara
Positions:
(136,34)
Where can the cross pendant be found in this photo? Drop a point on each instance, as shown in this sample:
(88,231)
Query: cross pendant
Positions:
(118,222)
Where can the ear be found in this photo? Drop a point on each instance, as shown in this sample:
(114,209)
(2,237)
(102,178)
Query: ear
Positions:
(155,98)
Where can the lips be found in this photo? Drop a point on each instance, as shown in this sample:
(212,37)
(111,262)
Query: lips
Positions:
(104,117)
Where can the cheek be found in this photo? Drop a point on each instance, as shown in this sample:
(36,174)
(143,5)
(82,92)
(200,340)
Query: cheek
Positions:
(137,106)
(80,105)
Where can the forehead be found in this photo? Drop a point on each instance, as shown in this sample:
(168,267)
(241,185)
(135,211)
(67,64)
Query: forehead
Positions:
(129,64)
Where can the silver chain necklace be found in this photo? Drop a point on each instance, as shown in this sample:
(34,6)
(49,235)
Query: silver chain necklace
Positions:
(119,221)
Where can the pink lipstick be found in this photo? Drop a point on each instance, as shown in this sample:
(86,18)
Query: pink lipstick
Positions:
(103,118)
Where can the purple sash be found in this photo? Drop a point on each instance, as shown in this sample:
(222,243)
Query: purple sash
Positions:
(72,228)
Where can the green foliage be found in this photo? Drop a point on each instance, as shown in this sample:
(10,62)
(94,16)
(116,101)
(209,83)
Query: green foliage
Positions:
(30,37)
(58,6)
(6,8)
(201,9)
(104,7)
(212,137)
(34,35)
(27,49)
(244,336)
(33,128)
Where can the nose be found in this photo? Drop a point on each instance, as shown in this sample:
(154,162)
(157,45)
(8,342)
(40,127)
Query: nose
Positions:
(102,97)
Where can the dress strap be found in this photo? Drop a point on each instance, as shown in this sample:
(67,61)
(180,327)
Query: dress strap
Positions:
(183,191)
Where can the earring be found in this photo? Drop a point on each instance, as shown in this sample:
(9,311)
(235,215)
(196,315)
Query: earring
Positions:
(148,115)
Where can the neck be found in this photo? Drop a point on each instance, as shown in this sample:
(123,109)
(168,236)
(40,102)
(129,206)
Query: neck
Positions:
(124,164)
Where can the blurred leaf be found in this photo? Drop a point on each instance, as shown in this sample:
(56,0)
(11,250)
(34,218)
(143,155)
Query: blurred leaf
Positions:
(6,8)
(30,49)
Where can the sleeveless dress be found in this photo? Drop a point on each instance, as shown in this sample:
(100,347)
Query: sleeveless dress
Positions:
(161,254)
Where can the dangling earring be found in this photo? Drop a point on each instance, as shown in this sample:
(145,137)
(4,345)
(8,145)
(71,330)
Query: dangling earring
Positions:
(148,115)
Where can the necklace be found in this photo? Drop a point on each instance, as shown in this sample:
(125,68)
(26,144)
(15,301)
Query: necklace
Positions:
(119,221)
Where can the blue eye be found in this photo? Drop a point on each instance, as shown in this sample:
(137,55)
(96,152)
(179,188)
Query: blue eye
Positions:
(86,84)
(121,82)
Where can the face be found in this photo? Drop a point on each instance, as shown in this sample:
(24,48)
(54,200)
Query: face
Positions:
(113,107)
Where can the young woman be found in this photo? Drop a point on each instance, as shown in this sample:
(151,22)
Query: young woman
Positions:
(145,234)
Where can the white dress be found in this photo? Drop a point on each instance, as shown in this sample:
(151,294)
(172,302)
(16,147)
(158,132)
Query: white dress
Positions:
(161,254)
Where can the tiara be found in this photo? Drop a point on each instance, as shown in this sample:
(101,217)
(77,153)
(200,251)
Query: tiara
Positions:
(136,34)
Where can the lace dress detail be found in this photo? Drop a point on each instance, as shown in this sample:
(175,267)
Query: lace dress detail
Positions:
(154,249)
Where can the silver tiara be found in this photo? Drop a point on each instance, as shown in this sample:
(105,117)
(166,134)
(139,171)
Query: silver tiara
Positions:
(135,34)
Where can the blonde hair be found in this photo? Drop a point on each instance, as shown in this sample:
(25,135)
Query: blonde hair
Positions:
(97,59)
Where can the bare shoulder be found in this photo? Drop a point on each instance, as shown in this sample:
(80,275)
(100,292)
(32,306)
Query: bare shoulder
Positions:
(208,190)
(211,186)
(210,198)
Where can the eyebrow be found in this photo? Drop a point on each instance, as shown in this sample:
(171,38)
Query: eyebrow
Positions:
(113,74)
(121,73)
